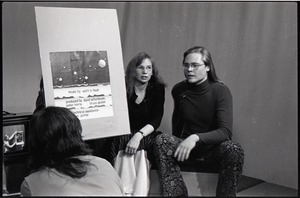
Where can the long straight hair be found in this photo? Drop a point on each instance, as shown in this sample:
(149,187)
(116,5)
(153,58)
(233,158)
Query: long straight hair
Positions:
(55,140)
(130,72)
(207,59)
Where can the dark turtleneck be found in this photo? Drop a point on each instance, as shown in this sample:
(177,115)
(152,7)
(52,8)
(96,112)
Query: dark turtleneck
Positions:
(204,109)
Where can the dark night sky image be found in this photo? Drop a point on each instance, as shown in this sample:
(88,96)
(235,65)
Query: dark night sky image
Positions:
(79,68)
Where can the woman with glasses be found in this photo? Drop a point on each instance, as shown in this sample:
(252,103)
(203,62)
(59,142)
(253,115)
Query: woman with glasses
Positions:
(145,98)
(201,126)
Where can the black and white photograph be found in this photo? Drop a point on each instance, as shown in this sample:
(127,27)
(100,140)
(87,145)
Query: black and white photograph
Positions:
(81,83)
(150,98)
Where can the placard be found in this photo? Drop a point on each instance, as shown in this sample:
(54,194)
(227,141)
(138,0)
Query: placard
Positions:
(82,67)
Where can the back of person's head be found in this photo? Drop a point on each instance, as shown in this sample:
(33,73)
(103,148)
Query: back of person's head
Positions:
(206,58)
(55,139)
(130,72)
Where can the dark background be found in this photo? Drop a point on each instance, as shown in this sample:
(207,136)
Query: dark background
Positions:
(253,45)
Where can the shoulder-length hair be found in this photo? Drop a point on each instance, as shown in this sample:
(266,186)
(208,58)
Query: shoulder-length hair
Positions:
(55,139)
(207,59)
(130,73)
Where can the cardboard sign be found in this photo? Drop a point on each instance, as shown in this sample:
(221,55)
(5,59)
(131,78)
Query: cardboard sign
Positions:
(82,67)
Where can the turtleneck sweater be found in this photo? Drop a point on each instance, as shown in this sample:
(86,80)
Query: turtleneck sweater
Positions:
(204,109)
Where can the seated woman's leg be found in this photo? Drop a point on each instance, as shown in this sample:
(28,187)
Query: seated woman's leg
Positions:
(230,158)
(148,143)
(171,181)
(114,145)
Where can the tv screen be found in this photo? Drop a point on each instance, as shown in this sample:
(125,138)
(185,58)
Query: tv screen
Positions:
(13,138)
(15,135)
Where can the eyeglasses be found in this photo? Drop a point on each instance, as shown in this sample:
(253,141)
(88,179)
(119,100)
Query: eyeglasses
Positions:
(141,67)
(194,66)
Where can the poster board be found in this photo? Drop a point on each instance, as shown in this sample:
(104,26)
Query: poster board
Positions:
(82,67)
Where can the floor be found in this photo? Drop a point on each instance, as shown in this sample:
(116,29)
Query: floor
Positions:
(204,184)
(266,189)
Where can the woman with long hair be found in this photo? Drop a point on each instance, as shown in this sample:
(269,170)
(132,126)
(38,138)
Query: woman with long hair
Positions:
(201,127)
(61,162)
(145,97)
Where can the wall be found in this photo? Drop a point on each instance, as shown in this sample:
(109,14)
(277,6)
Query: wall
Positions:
(254,48)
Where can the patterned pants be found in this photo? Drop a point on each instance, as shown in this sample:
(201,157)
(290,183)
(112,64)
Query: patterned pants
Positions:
(229,157)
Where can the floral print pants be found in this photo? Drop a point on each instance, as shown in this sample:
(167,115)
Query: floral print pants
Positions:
(229,157)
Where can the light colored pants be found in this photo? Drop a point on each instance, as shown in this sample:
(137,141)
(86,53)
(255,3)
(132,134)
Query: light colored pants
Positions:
(134,172)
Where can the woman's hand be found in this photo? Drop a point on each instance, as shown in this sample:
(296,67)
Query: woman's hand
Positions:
(133,143)
(184,148)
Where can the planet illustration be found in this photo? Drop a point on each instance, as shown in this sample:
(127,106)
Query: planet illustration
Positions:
(102,63)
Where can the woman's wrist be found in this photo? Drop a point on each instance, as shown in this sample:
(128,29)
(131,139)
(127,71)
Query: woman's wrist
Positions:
(195,137)
(141,132)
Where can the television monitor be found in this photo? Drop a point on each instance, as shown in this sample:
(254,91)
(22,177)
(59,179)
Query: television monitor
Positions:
(15,133)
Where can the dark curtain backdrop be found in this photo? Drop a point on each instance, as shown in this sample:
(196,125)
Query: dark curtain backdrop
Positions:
(254,48)
(253,45)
